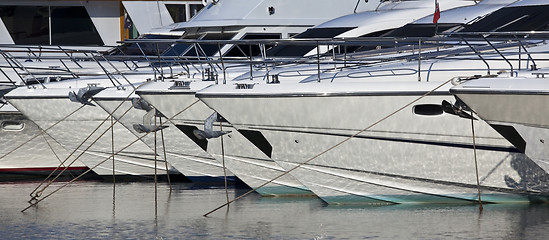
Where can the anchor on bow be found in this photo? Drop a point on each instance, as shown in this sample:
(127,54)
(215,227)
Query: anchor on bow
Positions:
(147,125)
(85,94)
(208,129)
(458,109)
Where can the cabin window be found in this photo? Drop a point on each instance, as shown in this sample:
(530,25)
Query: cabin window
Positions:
(26,24)
(183,12)
(50,25)
(178,12)
(73,26)
(195,8)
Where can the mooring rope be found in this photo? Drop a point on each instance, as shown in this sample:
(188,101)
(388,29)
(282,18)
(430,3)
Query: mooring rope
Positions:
(54,153)
(80,145)
(38,134)
(43,131)
(476,164)
(155,175)
(34,199)
(38,193)
(113,171)
(90,169)
(112,154)
(165,155)
(223,162)
(331,148)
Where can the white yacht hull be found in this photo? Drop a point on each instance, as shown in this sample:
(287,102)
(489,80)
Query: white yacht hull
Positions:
(516,107)
(407,158)
(46,112)
(185,156)
(246,161)
(39,157)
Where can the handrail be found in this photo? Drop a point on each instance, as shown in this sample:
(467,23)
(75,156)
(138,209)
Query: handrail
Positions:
(10,60)
(68,70)
(511,65)
(455,44)
(8,78)
(107,73)
(70,56)
(479,55)
(533,35)
(534,67)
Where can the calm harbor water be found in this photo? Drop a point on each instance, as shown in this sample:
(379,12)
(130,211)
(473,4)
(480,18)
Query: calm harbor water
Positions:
(87,210)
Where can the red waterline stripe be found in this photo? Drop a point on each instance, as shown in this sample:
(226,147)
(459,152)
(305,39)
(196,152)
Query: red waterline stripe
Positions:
(41,169)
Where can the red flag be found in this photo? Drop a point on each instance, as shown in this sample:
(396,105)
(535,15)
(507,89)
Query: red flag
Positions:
(436,16)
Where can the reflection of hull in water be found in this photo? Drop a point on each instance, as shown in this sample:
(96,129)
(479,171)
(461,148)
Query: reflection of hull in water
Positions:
(245,160)
(408,158)
(37,158)
(137,159)
(41,173)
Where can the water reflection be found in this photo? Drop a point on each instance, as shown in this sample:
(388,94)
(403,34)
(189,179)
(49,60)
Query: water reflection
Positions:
(94,210)
(532,177)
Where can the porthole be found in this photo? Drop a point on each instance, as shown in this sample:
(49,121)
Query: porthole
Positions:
(428,109)
(12,126)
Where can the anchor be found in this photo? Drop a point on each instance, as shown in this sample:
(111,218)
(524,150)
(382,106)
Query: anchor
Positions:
(141,104)
(208,129)
(147,125)
(85,94)
(457,109)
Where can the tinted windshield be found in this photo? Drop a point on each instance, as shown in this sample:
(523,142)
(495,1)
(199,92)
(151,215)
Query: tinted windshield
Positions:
(209,49)
(522,18)
(287,50)
(146,48)
(245,50)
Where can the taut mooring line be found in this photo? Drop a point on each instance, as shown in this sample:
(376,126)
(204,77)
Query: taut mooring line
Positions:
(90,169)
(329,149)
(110,115)
(155,175)
(54,153)
(476,164)
(112,155)
(42,131)
(223,162)
(165,155)
(38,193)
